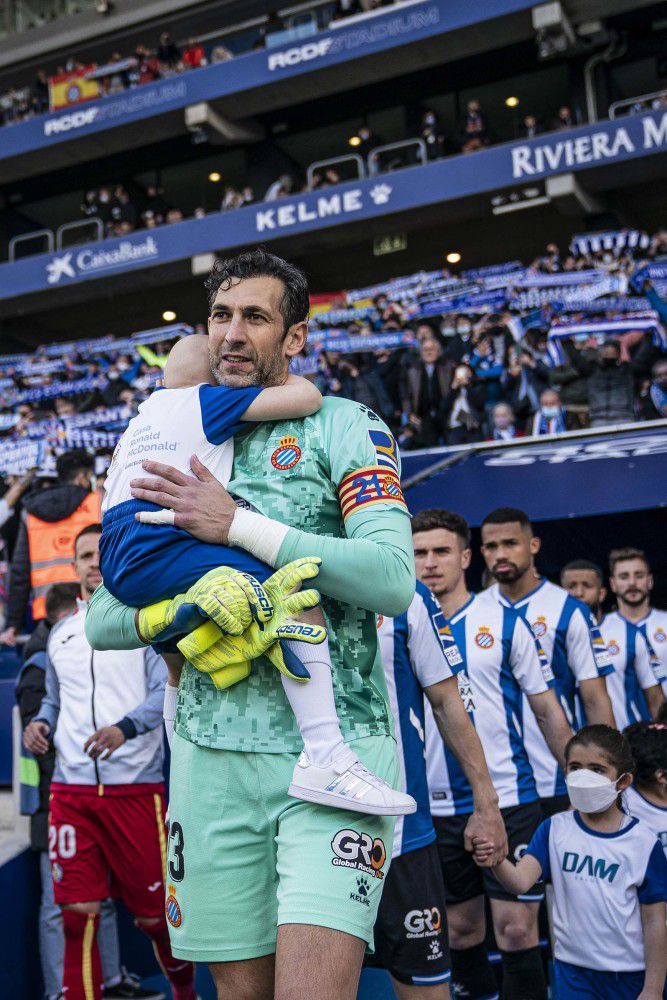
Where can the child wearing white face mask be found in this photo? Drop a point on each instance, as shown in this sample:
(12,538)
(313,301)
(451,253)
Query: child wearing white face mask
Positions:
(609,877)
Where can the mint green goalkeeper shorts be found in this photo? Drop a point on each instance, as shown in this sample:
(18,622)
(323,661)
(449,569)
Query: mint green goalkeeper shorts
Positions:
(243,857)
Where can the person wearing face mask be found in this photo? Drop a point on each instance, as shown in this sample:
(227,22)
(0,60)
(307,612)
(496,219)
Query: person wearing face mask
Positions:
(527,373)
(459,342)
(503,423)
(610,383)
(432,135)
(463,407)
(50,521)
(653,399)
(550,418)
(609,877)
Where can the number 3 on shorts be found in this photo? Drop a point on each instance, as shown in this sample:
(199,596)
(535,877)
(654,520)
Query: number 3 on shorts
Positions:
(176,858)
(62,842)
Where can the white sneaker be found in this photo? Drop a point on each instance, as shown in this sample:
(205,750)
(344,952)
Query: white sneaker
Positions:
(347,784)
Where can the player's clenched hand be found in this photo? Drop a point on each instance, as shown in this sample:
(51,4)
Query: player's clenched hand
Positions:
(103,742)
(36,737)
(198,503)
(486,826)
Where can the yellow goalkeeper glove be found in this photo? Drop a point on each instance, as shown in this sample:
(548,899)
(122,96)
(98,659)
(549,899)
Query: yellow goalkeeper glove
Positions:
(208,650)
(230,598)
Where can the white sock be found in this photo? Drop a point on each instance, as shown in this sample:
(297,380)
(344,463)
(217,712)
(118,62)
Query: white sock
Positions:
(313,703)
(169,711)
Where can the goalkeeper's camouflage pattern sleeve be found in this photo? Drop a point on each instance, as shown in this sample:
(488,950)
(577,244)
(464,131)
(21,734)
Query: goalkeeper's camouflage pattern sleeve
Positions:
(300,472)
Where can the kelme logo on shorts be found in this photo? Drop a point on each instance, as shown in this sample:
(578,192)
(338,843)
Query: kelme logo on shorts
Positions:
(360,851)
(363,888)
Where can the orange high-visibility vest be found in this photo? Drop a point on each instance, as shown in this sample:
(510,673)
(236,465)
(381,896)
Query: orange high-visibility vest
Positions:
(51,547)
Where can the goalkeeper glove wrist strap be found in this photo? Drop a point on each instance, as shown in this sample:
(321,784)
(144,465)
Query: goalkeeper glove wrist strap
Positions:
(259,535)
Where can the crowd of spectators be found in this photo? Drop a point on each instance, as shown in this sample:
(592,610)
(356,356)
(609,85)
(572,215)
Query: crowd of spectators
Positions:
(149,63)
(456,378)
(468,381)
(121,213)
(653,102)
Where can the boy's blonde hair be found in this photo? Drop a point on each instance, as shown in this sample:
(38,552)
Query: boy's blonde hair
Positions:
(188,363)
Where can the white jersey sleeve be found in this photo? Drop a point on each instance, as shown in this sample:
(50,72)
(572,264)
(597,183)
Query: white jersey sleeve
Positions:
(528,663)
(434,654)
(648,669)
(583,659)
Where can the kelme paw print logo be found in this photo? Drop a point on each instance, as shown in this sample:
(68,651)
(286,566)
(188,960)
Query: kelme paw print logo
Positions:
(380,193)
(363,886)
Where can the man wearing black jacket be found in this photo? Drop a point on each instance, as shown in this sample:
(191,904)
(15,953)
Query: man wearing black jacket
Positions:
(610,382)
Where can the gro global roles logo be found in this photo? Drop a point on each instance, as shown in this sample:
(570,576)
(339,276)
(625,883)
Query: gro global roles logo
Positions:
(353,849)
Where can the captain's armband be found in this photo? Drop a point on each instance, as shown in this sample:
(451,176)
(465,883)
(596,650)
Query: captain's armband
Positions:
(368,486)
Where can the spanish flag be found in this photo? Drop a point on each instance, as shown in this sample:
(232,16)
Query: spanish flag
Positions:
(66,89)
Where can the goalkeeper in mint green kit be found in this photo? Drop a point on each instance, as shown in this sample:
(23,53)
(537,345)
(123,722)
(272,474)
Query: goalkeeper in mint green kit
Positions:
(251,871)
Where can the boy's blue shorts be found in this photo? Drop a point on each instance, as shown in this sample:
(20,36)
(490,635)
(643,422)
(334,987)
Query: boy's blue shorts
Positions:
(572,982)
(144,563)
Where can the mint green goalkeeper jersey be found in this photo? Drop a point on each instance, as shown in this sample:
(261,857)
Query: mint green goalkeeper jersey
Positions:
(307,473)
(334,478)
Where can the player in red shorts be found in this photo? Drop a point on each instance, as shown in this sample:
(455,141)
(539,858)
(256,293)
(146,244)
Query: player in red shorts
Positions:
(107,832)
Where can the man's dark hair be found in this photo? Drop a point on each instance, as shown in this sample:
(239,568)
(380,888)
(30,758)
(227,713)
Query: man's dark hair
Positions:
(508,515)
(259,263)
(71,463)
(431,520)
(583,564)
(622,555)
(60,597)
(90,529)
(648,743)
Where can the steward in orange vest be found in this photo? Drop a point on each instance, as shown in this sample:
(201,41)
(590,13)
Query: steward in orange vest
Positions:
(50,521)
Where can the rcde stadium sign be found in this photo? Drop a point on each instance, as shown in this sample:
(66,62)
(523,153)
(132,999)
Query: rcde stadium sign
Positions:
(451,179)
(366,35)
(415,22)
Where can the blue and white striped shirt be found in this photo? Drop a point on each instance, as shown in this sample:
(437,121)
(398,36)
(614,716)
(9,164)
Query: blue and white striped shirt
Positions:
(502,662)
(417,651)
(575,651)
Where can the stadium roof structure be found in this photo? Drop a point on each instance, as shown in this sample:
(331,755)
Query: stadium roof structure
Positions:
(591,472)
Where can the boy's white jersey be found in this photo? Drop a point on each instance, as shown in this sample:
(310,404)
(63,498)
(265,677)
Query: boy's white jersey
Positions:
(654,630)
(501,662)
(599,881)
(575,652)
(654,817)
(634,669)
(174,424)
(417,651)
